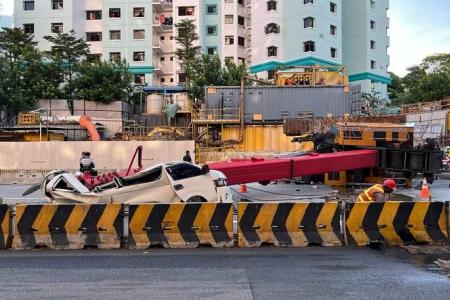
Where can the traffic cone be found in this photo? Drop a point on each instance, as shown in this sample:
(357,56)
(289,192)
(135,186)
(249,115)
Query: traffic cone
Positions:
(425,192)
(243,188)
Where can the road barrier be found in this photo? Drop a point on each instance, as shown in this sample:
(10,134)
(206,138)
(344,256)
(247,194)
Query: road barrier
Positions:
(289,224)
(180,225)
(67,226)
(189,225)
(396,223)
(4,226)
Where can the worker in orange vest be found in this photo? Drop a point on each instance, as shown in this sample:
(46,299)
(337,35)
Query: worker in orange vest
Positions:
(377,193)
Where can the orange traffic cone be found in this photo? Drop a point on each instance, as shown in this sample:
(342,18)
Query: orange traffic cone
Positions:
(425,192)
(243,188)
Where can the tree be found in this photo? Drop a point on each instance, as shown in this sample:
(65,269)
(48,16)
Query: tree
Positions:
(429,81)
(234,73)
(103,81)
(395,89)
(187,53)
(67,53)
(22,79)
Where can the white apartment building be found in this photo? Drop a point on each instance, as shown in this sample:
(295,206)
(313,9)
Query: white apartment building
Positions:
(263,34)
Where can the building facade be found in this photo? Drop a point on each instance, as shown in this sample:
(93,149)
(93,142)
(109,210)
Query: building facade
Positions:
(265,35)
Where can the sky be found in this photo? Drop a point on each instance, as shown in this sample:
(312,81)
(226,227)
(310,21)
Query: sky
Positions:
(418,28)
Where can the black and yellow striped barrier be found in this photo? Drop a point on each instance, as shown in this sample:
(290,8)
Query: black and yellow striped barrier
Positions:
(396,223)
(68,226)
(180,225)
(4,226)
(289,224)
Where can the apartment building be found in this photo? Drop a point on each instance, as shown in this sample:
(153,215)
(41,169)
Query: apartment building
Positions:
(263,34)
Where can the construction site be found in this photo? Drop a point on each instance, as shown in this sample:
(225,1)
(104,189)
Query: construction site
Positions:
(302,161)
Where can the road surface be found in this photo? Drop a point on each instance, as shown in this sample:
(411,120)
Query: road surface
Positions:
(264,273)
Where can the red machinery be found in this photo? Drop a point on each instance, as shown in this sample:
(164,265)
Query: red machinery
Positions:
(264,170)
(92,181)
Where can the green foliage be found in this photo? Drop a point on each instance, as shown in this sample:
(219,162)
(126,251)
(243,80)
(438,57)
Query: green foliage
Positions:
(21,80)
(429,81)
(187,53)
(66,54)
(103,81)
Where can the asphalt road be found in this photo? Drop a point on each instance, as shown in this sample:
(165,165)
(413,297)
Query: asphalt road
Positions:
(265,273)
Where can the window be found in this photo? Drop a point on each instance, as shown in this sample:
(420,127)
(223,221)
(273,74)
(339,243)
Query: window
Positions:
(57,4)
(372,45)
(211,50)
(186,10)
(333,7)
(114,12)
(93,15)
(94,57)
(271,5)
(28,5)
(241,2)
(308,1)
(241,41)
(56,27)
(241,20)
(114,35)
(229,19)
(182,77)
(229,59)
(372,85)
(333,52)
(309,46)
(139,79)
(272,28)
(211,9)
(171,79)
(114,56)
(139,56)
(241,60)
(162,58)
(333,30)
(162,80)
(211,30)
(28,28)
(171,37)
(139,12)
(162,38)
(372,24)
(148,176)
(171,58)
(308,22)
(229,40)
(352,135)
(373,64)
(272,51)
(372,4)
(183,171)
(139,34)
(271,74)
(93,36)
(379,135)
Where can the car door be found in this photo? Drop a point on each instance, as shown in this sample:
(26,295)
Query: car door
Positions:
(188,180)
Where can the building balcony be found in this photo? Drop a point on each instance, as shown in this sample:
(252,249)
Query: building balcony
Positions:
(162,5)
(157,46)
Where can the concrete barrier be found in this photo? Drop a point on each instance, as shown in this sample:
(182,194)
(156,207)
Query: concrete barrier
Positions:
(180,225)
(289,224)
(4,226)
(396,223)
(68,226)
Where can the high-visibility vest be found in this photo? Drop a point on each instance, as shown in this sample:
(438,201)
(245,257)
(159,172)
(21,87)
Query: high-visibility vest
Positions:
(369,194)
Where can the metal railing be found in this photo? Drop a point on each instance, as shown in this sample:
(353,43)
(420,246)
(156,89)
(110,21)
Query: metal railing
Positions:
(216,115)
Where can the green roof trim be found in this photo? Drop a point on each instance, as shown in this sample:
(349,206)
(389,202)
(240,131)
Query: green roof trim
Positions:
(370,76)
(141,69)
(306,61)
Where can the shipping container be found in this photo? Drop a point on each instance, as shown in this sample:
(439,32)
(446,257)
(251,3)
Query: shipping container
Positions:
(272,104)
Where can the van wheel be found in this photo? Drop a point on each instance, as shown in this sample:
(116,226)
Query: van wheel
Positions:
(196,199)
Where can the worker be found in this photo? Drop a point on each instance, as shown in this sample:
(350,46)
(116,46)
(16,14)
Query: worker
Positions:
(187,157)
(86,162)
(377,193)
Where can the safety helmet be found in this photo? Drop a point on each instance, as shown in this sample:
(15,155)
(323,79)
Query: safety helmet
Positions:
(390,183)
